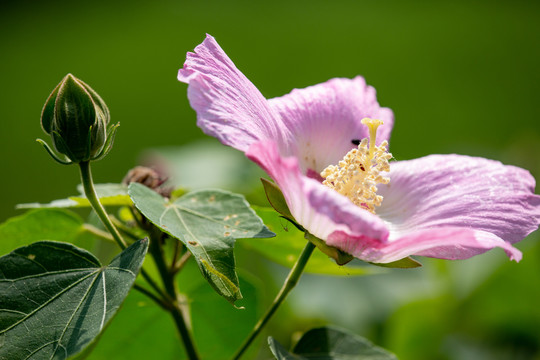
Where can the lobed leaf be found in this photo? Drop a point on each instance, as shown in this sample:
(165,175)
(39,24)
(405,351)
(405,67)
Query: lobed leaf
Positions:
(56,298)
(218,328)
(207,222)
(328,343)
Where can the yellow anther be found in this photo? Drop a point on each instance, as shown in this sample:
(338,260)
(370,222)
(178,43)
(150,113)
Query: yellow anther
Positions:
(357,175)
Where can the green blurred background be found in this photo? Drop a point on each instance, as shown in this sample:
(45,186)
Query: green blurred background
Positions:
(461,77)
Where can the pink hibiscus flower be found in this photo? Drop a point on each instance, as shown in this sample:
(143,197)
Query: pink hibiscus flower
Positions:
(325,146)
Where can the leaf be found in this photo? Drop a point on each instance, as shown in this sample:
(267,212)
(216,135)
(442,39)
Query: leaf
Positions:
(42,224)
(56,298)
(108,194)
(207,222)
(285,248)
(218,328)
(328,343)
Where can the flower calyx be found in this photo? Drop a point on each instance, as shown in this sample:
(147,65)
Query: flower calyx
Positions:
(77,119)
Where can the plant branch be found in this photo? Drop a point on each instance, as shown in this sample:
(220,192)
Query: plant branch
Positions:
(178,265)
(152,296)
(170,286)
(288,285)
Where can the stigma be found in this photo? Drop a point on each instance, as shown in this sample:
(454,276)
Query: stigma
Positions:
(357,175)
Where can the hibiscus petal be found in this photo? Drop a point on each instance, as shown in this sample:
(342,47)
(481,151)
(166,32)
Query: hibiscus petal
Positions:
(449,243)
(229,107)
(460,191)
(320,210)
(325,118)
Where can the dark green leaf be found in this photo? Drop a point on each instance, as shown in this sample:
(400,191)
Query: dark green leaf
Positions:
(329,343)
(218,328)
(41,224)
(285,248)
(108,194)
(56,298)
(207,222)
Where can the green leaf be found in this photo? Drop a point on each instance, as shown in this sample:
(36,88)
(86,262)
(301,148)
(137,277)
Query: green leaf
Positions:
(207,222)
(285,248)
(42,224)
(329,343)
(218,328)
(108,194)
(56,298)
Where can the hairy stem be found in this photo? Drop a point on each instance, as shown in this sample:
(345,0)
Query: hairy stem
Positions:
(288,285)
(90,192)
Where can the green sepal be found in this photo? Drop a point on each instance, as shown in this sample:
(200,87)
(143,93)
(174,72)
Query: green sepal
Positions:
(47,114)
(405,263)
(53,155)
(61,145)
(339,256)
(276,199)
(111,133)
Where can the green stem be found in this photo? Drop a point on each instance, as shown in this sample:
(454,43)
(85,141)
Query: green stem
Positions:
(170,286)
(90,192)
(91,195)
(288,285)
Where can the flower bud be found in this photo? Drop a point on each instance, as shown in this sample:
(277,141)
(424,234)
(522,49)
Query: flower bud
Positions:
(77,119)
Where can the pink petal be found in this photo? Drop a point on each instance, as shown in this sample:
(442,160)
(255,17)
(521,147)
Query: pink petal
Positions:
(325,118)
(320,210)
(229,107)
(444,243)
(460,191)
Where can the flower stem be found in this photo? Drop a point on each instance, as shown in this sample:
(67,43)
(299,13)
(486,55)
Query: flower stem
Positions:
(288,285)
(170,286)
(90,192)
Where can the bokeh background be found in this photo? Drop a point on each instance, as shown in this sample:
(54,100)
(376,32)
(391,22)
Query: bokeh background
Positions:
(461,77)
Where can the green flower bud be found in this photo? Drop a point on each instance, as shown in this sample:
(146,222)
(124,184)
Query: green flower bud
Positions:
(77,119)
